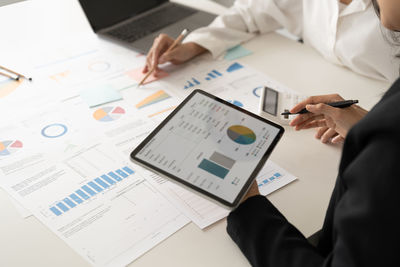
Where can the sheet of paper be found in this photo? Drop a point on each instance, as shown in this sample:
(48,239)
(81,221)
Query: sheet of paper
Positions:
(138,75)
(23,212)
(200,210)
(272,177)
(229,80)
(204,212)
(66,73)
(98,95)
(92,198)
(236,53)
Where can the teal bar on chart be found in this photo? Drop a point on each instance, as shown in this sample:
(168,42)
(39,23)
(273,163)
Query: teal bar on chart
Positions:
(213,168)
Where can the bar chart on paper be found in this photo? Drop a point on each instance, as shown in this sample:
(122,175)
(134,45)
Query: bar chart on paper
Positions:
(272,177)
(153,99)
(211,75)
(84,193)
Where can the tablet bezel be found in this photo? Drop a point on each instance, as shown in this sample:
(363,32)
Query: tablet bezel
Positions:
(251,177)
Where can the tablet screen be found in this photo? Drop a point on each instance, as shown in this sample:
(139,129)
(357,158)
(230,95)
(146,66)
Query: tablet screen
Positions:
(210,145)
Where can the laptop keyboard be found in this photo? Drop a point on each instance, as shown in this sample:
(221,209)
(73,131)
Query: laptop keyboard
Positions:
(155,21)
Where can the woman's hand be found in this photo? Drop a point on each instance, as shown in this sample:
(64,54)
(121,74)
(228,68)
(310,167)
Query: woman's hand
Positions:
(333,122)
(181,53)
(253,191)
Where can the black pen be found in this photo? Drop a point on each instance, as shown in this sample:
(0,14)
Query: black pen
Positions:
(339,104)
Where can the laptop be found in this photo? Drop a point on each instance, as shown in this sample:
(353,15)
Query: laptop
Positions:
(136,23)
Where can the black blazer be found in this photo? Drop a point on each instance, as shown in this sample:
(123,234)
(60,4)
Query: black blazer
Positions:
(362,223)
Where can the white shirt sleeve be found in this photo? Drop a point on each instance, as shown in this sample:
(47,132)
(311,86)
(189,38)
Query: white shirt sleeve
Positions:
(245,19)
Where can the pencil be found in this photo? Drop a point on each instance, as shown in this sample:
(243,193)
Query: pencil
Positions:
(16,73)
(173,45)
(9,76)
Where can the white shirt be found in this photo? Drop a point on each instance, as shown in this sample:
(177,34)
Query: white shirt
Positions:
(349,36)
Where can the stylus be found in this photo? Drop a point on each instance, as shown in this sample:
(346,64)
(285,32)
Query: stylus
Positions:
(339,104)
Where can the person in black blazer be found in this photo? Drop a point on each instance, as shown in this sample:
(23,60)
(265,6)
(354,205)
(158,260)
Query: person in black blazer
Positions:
(362,223)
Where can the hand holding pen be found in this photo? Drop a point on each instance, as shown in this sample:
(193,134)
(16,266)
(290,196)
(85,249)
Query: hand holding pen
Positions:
(333,122)
(160,52)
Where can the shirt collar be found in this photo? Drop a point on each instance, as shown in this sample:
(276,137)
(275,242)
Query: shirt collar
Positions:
(356,6)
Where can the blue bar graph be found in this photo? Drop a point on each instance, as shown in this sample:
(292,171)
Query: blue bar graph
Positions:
(191,83)
(88,190)
(234,67)
(102,183)
(213,168)
(69,202)
(82,194)
(76,198)
(114,176)
(95,186)
(122,173)
(216,72)
(275,176)
(128,170)
(55,211)
(62,207)
(108,179)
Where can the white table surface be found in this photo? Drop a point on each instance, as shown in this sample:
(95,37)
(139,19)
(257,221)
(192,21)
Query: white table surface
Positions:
(26,242)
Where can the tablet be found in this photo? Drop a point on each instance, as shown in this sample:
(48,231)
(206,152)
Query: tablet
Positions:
(210,146)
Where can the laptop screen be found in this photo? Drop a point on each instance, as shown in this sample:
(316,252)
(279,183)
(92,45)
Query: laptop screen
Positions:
(104,13)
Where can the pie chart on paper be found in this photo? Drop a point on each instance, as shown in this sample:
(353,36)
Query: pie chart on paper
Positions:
(241,135)
(106,114)
(9,147)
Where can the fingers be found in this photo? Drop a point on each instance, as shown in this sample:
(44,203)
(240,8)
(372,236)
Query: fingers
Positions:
(328,135)
(323,109)
(316,100)
(337,139)
(314,124)
(306,121)
(321,131)
(160,45)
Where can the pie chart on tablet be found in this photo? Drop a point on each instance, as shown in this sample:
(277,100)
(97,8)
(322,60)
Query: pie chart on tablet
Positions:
(241,135)
(9,147)
(106,114)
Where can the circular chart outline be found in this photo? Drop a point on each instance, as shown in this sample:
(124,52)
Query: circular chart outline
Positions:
(240,126)
(255,91)
(43,132)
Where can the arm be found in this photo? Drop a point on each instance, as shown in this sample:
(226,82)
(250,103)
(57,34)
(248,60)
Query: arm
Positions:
(237,25)
(267,239)
(244,19)
(366,220)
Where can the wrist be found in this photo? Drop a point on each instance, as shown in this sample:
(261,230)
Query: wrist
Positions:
(195,48)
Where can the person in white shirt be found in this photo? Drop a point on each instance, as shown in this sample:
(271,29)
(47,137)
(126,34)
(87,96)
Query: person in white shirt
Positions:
(328,26)
(332,27)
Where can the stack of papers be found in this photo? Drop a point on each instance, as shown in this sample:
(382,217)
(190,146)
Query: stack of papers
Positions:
(68,163)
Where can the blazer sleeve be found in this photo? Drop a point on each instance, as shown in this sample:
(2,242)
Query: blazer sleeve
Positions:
(246,18)
(267,239)
(365,223)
